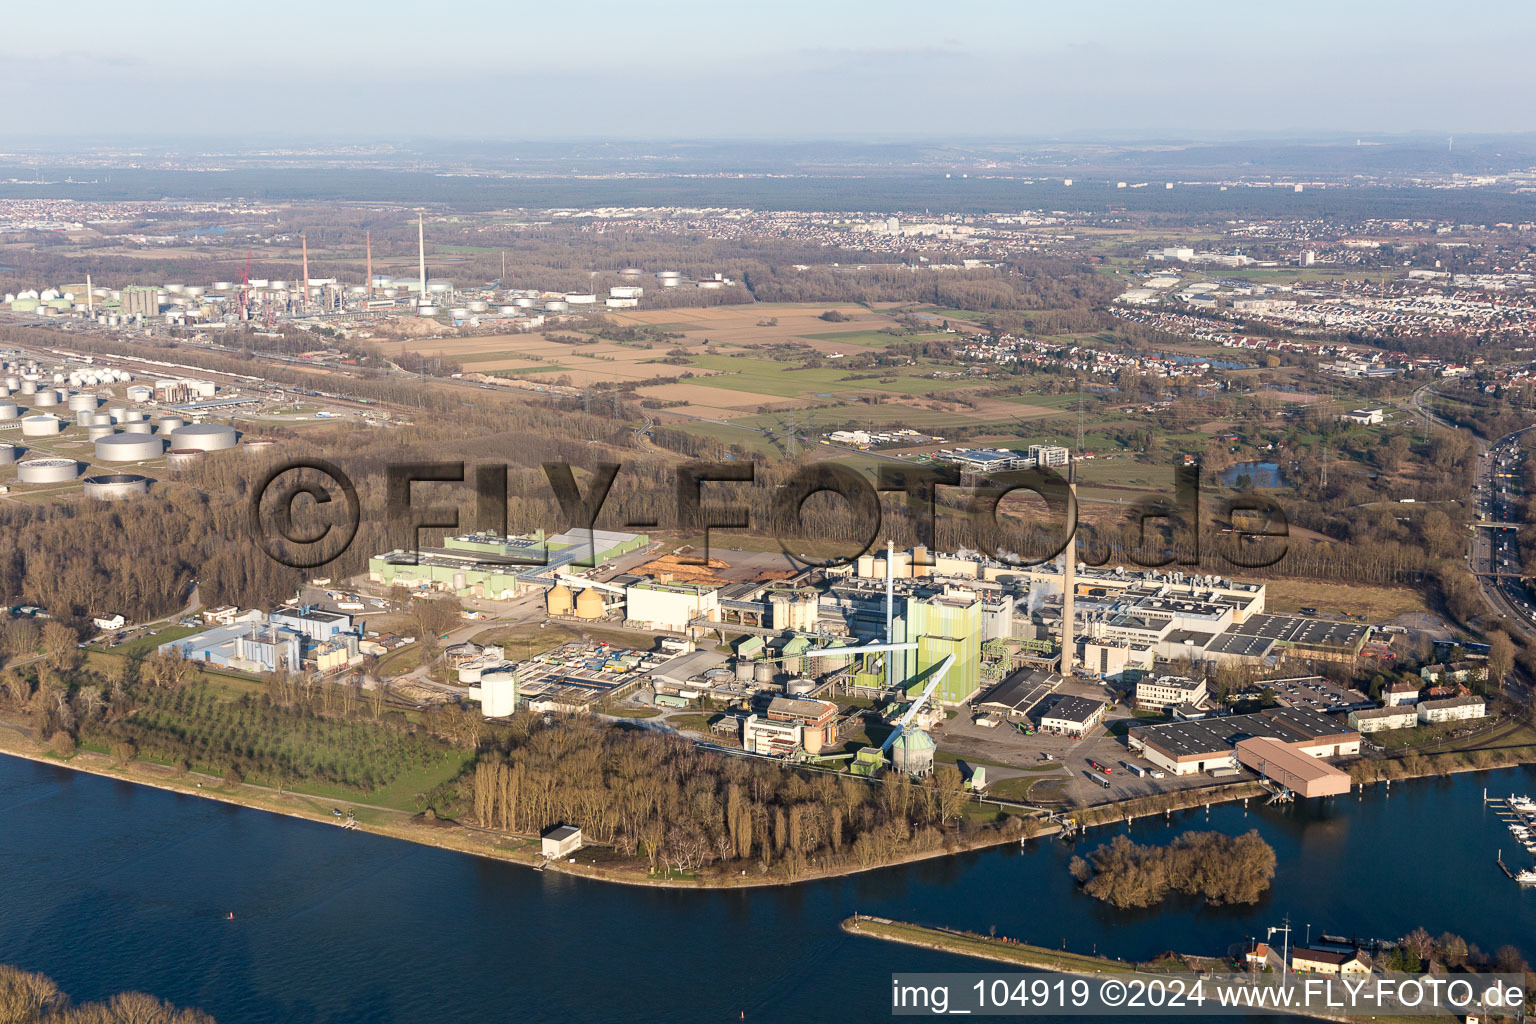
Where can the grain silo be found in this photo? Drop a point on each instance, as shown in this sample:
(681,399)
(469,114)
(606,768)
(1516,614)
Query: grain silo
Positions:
(47,471)
(40,426)
(208,437)
(127,448)
(589,604)
(559,600)
(116,486)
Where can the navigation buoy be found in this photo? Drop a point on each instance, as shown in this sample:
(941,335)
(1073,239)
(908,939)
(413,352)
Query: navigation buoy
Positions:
(231,916)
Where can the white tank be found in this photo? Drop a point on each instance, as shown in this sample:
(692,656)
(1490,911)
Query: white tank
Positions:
(170,423)
(208,437)
(9,410)
(82,402)
(8,453)
(47,471)
(138,427)
(40,426)
(127,447)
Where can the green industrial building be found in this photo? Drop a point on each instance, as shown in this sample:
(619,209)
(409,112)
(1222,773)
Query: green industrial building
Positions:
(942,625)
(472,566)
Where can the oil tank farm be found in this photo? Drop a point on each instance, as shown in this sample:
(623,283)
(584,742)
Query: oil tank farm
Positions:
(82,402)
(8,453)
(170,423)
(128,448)
(47,471)
(9,410)
(208,437)
(45,397)
(41,425)
(140,393)
(116,486)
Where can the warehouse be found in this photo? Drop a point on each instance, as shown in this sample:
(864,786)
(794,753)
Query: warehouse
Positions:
(670,606)
(1187,748)
(1015,696)
(1073,716)
(1283,763)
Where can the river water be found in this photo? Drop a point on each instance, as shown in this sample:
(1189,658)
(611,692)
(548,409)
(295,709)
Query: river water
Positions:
(109,886)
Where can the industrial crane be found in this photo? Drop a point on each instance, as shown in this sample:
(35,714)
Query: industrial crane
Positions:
(917,705)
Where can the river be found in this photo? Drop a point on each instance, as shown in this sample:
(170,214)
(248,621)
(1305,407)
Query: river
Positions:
(111,886)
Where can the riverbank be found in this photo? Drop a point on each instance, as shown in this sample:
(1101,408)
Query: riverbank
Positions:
(1022,954)
(443,834)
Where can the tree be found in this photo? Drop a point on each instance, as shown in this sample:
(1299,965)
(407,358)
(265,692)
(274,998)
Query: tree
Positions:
(1501,655)
(59,645)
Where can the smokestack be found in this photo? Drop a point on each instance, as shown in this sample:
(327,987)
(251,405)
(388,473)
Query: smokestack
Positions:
(304,285)
(90,302)
(421,251)
(368,241)
(1068,582)
(890,612)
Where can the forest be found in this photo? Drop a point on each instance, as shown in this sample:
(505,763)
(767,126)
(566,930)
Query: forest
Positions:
(1214,867)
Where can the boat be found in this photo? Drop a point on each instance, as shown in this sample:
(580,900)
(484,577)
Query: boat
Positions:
(1523,804)
(1526,877)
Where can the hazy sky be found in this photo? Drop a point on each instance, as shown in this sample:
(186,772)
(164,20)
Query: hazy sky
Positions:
(788,68)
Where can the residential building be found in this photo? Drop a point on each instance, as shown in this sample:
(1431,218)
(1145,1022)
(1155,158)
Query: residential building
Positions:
(1369,720)
(1400,692)
(1452,709)
(1330,962)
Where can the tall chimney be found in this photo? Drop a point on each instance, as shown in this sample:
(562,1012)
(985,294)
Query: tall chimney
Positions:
(304,285)
(890,612)
(421,251)
(90,301)
(368,241)
(1068,582)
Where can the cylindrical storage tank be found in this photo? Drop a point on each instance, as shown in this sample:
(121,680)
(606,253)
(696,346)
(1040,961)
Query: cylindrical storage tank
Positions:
(210,437)
(136,416)
(523,303)
(118,413)
(479,306)
(459,312)
(799,687)
(743,670)
(9,410)
(866,567)
(559,601)
(85,418)
(29,387)
(83,401)
(96,431)
(47,471)
(764,673)
(127,448)
(589,604)
(170,423)
(507,310)
(140,393)
(557,306)
(178,459)
(7,453)
(40,426)
(427,311)
(138,427)
(259,446)
(47,396)
(115,486)
(12,382)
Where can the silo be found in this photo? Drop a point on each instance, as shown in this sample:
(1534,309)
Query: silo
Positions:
(209,437)
(764,673)
(170,423)
(47,471)
(7,453)
(178,459)
(478,306)
(557,306)
(559,600)
(589,604)
(82,401)
(799,687)
(9,410)
(138,427)
(115,486)
(919,560)
(40,426)
(743,670)
(97,431)
(47,396)
(127,448)
(866,567)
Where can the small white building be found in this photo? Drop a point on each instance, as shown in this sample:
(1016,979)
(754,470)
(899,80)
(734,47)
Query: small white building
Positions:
(1452,709)
(1073,716)
(109,622)
(1364,417)
(561,841)
(1163,693)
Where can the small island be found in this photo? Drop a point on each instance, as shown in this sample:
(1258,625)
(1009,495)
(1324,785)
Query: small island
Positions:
(1218,868)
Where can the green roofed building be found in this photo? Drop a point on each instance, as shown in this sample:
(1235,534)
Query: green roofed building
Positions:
(943,625)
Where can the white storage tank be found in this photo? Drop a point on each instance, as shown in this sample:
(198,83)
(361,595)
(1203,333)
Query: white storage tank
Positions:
(140,393)
(100,430)
(40,426)
(82,402)
(170,423)
(9,410)
(8,453)
(29,387)
(208,437)
(138,427)
(136,416)
(46,397)
(47,471)
(116,486)
(127,448)
(178,459)
(117,413)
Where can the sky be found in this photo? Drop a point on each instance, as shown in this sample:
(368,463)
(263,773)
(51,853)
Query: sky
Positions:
(811,69)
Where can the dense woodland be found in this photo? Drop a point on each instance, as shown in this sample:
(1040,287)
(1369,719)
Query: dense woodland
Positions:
(1217,868)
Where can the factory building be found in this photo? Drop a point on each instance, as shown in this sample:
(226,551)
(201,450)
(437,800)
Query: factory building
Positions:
(1164,693)
(1073,716)
(243,646)
(1187,748)
(140,300)
(943,625)
(310,622)
(670,606)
